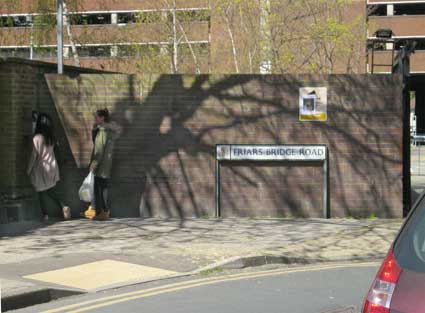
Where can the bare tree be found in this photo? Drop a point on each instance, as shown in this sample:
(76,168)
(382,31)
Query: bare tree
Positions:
(70,35)
(287,36)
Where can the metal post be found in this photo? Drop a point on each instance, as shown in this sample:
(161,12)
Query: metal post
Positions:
(326,213)
(406,151)
(217,189)
(392,56)
(60,36)
(32,42)
(419,162)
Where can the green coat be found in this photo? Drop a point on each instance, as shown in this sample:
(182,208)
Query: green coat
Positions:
(101,159)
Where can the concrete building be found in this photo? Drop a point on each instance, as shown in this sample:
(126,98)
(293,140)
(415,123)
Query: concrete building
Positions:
(407,21)
(107,35)
(123,36)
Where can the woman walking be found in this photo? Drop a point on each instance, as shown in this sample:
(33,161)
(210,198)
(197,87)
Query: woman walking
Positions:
(43,168)
(104,135)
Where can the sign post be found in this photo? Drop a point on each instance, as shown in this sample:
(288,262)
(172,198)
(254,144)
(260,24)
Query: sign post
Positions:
(287,153)
(60,35)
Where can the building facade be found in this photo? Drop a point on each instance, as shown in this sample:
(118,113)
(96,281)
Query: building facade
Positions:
(109,35)
(190,36)
(406,19)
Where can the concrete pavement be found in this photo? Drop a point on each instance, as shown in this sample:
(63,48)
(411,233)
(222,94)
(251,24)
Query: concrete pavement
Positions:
(50,257)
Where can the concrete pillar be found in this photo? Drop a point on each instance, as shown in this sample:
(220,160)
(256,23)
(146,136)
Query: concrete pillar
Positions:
(163,49)
(420,111)
(114,51)
(390,9)
(66,52)
(114,18)
(389,46)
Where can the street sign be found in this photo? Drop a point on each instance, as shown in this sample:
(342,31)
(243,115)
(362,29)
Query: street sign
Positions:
(284,153)
(271,153)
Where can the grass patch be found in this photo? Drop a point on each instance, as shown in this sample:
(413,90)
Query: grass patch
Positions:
(212,271)
(372,216)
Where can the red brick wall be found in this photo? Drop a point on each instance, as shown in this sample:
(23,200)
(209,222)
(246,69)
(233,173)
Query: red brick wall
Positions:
(164,162)
(24,89)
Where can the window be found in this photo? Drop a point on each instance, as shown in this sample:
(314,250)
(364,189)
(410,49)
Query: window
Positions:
(45,19)
(126,18)
(198,49)
(15,21)
(139,17)
(420,44)
(138,50)
(127,51)
(15,53)
(193,16)
(93,51)
(410,246)
(409,9)
(148,17)
(377,10)
(399,9)
(90,19)
(44,52)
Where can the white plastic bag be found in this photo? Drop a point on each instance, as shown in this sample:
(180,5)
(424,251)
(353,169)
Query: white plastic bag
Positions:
(86,191)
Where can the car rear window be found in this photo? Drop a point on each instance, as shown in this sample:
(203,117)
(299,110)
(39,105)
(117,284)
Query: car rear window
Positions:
(409,249)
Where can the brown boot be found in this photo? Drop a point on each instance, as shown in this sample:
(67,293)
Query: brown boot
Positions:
(102,216)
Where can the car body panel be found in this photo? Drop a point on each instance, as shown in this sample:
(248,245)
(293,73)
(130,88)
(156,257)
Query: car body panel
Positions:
(409,295)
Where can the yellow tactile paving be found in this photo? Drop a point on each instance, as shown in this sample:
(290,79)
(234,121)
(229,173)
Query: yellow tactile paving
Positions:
(99,274)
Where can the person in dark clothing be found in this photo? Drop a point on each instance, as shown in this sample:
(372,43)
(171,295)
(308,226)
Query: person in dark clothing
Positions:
(104,135)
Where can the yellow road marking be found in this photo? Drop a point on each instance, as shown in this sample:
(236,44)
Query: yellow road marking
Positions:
(111,300)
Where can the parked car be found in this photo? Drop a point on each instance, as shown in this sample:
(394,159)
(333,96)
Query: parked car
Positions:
(399,286)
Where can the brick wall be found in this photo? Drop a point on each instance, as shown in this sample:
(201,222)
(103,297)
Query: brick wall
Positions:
(23,89)
(164,162)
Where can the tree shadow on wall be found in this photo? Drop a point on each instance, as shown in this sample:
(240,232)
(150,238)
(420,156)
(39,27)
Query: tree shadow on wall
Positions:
(164,161)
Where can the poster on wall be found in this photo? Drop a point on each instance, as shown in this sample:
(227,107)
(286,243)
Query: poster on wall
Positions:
(313,104)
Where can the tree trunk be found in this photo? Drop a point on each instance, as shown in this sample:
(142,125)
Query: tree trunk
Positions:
(175,43)
(195,60)
(71,36)
(266,42)
(232,40)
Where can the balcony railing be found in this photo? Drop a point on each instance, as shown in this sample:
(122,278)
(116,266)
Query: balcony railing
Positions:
(102,34)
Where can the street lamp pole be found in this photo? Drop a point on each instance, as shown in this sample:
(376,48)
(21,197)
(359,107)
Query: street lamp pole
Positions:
(60,36)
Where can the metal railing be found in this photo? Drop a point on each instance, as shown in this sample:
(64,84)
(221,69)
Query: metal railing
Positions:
(417,156)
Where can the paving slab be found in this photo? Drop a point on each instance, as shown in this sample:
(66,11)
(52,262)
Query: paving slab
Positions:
(39,257)
(95,275)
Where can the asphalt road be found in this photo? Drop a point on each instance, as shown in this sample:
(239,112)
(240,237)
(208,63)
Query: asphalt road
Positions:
(311,289)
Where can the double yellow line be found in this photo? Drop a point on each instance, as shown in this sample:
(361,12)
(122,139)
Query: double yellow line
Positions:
(129,296)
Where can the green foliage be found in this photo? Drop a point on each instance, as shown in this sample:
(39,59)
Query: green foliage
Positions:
(372,216)
(7,22)
(148,17)
(216,270)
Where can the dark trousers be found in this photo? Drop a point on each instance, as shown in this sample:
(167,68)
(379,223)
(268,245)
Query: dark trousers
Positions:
(99,202)
(44,196)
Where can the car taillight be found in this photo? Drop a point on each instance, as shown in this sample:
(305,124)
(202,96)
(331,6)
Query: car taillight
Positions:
(379,297)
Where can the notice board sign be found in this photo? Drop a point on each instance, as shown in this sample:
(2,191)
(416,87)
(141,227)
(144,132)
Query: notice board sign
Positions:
(313,102)
(275,153)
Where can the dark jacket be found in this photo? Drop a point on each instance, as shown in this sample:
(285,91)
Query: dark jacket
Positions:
(105,136)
